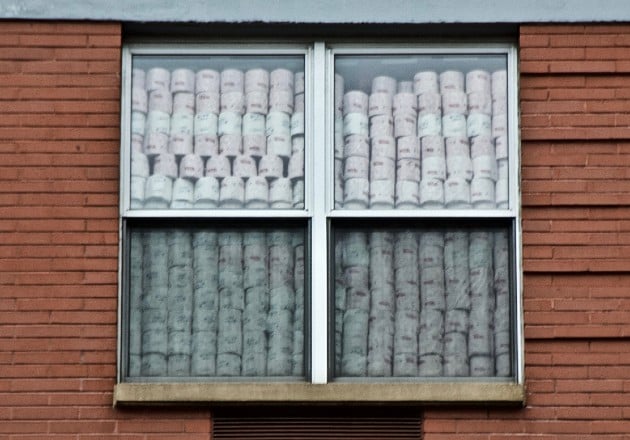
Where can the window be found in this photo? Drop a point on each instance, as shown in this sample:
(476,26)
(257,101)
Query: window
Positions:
(344,216)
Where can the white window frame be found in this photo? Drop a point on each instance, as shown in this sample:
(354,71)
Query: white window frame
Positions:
(319,210)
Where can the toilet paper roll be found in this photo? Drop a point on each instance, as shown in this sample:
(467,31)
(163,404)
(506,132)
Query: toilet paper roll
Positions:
(137,142)
(296,166)
(253,123)
(208,102)
(206,123)
(160,100)
(499,125)
(297,124)
(356,167)
(166,165)
(425,81)
(457,193)
(356,194)
(454,102)
(230,123)
(280,190)
(478,124)
(138,77)
(408,147)
(206,193)
(138,185)
(480,102)
(256,102)
(408,169)
(454,125)
(155,143)
(355,101)
(139,100)
(380,104)
(485,167)
(451,80)
(278,123)
(232,192)
(499,82)
(256,190)
(502,169)
(356,123)
(183,191)
(206,145)
(501,150)
(184,102)
(429,102)
(356,146)
(182,123)
(298,103)
(381,168)
(431,193)
(429,124)
(432,146)
(499,104)
(233,102)
(478,81)
(298,194)
(244,166)
(459,166)
(404,102)
(383,147)
(158,188)
(384,84)
(382,125)
(281,100)
(382,194)
(191,167)
(157,78)
(180,144)
(232,80)
(218,166)
(457,146)
(256,80)
(254,145)
(231,145)
(405,124)
(158,122)
(482,193)
(207,81)
(407,194)
(280,145)
(281,79)
(270,166)
(139,165)
(434,167)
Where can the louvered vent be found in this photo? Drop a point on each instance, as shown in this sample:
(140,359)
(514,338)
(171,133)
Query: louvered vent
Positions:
(317,423)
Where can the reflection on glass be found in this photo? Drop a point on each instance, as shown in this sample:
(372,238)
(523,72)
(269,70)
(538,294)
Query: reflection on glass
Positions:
(217,132)
(421,132)
(207,303)
(417,303)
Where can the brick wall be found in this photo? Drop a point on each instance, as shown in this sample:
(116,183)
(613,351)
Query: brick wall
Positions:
(59,160)
(59,144)
(575,156)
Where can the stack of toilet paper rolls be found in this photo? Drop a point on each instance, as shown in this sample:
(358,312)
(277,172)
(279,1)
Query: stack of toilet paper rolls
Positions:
(439,141)
(427,304)
(209,139)
(228,304)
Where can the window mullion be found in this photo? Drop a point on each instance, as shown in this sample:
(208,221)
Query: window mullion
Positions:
(319,278)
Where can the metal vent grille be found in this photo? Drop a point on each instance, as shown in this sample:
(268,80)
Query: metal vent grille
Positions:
(317,423)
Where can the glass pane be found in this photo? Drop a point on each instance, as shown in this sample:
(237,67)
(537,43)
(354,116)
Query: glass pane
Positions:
(422,303)
(216,302)
(217,132)
(421,131)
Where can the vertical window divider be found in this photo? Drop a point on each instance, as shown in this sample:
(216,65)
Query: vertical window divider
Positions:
(319,279)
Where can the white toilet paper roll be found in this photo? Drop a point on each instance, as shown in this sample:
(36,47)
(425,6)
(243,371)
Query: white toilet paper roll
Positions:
(404,102)
(139,99)
(256,80)
(482,193)
(281,100)
(138,78)
(425,81)
(206,123)
(485,167)
(478,124)
(166,165)
(208,102)
(382,125)
(356,146)
(270,166)
(383,147)
(380,104)
(478,81)
(356,194)
(155,143)
(405,87)
(384,84)
(184,102)
(457,193)
(160,100)
(382,194)
(355,101)
(253,123)
(233,102)
(158,188)
(206,193)
(405,124)
(499,125)
(183,190)
(454,101)
(138,184)
(297,124)
(139,165)
(356,167)
(138,122)
(382,168)
(454,125)
(429,124)
(407,194)
(502,194)
(429,102)
(281,79)
(232,192)
(431,193)
(408,147)
(434,167)
(230,123)
(254,145)
(356,123)
(408,169)
(157,78)
(244,166)
(298,81)
(459,166)
(231,145)
(191,167)
(280,145)
(451,80)
(278,123)
(480,102)
(218,166)
(296,166)
(432,146)
(232,80)
(206,145)
(207,81)
(298,103)
(256,190)
(256,102)
(499,82)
